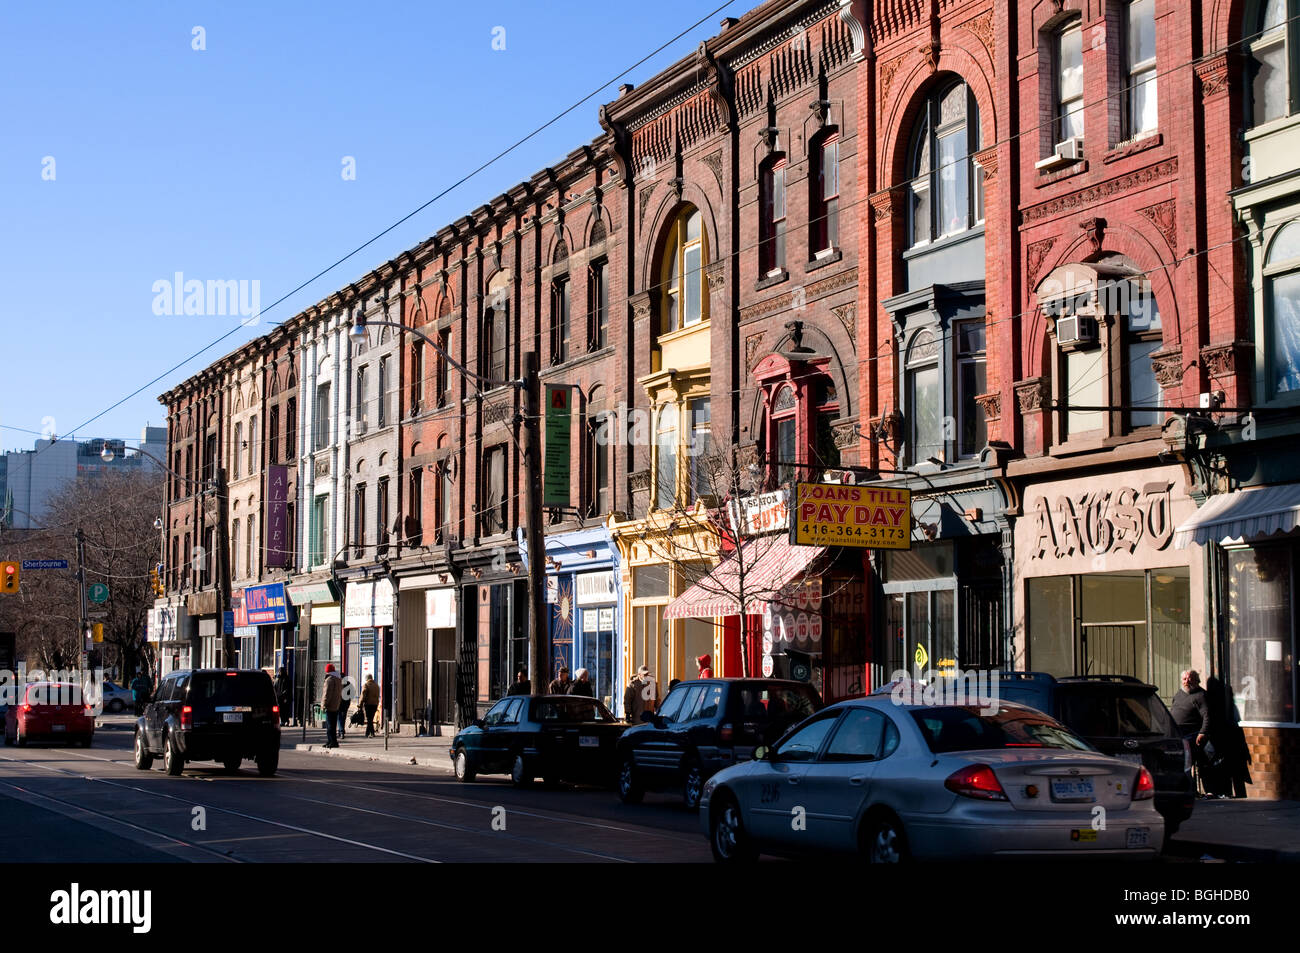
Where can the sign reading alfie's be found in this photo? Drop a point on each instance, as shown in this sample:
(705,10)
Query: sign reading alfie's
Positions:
(277,505)
(868,517)
(266,605)
(555,482)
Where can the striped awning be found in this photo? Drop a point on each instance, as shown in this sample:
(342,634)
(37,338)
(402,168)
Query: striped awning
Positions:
(1262,511)
(761,568)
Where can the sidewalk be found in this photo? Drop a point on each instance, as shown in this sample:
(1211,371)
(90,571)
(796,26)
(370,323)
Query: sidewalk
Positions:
(1241,830)
(428,751)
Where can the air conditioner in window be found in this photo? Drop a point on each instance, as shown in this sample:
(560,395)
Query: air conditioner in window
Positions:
(359,428)
(1076,330)
(1070,150)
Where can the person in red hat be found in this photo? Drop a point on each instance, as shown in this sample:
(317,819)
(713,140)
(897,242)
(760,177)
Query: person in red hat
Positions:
(705,662)
(330,701)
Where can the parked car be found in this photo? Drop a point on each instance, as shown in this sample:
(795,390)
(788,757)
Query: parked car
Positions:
(555,737)
(52,711)
(895,782)
(108,696)
(223,715)
(706,725)
(1120,716)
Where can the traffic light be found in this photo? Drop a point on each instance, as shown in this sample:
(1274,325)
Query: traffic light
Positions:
(156,582)
(9,577)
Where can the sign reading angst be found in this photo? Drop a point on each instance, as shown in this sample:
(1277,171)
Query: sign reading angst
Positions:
(831,514)
(1103,521)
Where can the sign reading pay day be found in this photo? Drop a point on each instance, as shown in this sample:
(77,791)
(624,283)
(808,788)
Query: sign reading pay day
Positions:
(833,514)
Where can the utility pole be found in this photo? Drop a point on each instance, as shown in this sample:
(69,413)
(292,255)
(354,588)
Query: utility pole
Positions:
(537,652)
(223,567)
(81,590)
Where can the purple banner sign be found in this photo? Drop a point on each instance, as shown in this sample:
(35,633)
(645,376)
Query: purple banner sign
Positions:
(277,528)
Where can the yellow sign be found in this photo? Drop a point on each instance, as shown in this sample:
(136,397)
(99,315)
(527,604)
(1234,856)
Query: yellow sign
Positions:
(922,656)
(868,517)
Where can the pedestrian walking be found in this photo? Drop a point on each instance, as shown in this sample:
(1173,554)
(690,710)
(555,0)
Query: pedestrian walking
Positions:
(561,684)
(344,704)
(638,697)
(1191,713)
(331,698)
(370,703)
(705,662)
(582,684)
(283,695)
(522,685)
(140,691)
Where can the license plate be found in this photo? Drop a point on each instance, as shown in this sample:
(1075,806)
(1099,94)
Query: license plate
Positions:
(1131,758)
(1074,789)
(1083,834)
(588,741)
(232,716)
(1139,836)
(58,727)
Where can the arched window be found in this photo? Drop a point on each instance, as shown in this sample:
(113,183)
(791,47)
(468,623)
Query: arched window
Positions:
(785,434)
(947,186)
(666,458)
(1271,40)
(925,398)
(1282,308)
(683,302)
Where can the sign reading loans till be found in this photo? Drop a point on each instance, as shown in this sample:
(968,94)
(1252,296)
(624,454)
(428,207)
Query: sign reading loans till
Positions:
(555,482)
(868,517)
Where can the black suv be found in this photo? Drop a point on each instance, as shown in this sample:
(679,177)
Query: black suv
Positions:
(211,714)
(702,727)
(1118,715)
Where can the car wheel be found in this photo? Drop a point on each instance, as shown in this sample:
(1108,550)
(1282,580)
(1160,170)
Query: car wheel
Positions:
(116,706)
(143,759)
(885,842)
(692,785)
(173,763)
(231,764)
(268,762)
(465,772)
(519,775)
(629,789)
(727,836)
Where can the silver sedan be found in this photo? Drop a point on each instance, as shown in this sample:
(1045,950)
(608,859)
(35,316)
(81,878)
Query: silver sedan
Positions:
(894,782)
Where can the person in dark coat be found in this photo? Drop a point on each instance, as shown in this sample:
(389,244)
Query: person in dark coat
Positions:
(582,684)
(1191,713)
(283,695)
(522,685)
(561,684)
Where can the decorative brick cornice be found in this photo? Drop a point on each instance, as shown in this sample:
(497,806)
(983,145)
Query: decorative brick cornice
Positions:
(1214,75)
(1103,190)
(497,413)
(782,302)
(1168,367)
(642,305)
(844,434)
(856,30)
(982,27)
(1030,394)
(882,204)
(753,344)
(887,73)
(1035,256)
(714,273)
(991,404)
(638,482)
(848,315)
(988,160)
(1220,360)
(645,200)
(714,161)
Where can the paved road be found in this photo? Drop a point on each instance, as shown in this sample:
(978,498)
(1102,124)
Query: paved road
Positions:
(90,805)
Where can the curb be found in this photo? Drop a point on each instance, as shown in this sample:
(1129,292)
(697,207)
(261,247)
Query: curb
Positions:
(441,764)
(1235,853)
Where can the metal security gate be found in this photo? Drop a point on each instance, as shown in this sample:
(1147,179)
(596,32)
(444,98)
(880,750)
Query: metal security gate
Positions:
(444,694)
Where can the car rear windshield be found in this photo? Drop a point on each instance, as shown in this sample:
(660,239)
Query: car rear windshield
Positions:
(760,702)
(570,711)
(1114,713)
(970,728)
(53,694)
(232,688)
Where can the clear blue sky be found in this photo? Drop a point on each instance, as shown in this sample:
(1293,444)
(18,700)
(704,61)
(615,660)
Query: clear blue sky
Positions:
(226,163)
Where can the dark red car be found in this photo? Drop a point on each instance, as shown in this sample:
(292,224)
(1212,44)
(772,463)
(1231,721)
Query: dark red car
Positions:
(50,711)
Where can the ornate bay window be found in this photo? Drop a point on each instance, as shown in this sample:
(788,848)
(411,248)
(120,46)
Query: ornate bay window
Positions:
(799,403)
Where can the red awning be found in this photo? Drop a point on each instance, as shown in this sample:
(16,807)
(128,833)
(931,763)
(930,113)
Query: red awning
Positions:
(765,565)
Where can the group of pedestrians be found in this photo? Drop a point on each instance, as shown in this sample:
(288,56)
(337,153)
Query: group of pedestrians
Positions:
(336,699)
(1216,740)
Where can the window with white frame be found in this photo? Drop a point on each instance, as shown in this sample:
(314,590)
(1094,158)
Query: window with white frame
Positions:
(772,223)
(1140,68)
(972,380)
(1282,312)
(1068,75)
(946,185)
(925,435)
(666,457)
(825,204)
(1272,69)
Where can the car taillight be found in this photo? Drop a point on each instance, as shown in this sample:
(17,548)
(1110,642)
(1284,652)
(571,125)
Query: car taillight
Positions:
(977,781)
(725,734)
(275,709)
(1145,787)
(26,707)
(187,716)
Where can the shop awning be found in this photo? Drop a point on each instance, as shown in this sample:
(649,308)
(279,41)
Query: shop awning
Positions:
(765,565)
(1258,512)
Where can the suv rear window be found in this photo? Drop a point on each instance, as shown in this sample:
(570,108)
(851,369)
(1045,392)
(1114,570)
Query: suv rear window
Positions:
(232,688)
(764,702)
(1114,714)
(571,711)
(964,728)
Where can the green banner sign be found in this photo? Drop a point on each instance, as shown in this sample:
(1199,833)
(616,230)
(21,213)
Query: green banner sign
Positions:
(559,453)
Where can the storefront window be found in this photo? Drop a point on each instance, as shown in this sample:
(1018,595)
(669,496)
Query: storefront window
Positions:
(1261,633)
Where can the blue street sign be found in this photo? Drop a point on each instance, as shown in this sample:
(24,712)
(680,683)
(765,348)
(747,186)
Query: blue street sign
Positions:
(228,623)
(30,564)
